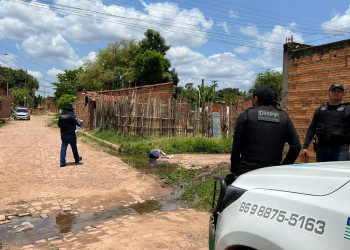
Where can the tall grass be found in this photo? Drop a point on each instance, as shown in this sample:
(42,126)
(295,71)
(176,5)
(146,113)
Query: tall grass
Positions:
(169,145)
(197,183)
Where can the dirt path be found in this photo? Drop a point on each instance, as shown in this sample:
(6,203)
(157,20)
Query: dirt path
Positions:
(32,182)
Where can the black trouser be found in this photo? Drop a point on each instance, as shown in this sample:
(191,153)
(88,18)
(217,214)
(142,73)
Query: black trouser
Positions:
(247,166)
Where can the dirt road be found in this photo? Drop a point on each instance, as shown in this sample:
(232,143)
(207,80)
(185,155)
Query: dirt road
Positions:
(33,184)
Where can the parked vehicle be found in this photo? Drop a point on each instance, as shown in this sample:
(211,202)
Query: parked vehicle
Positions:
(302,206)
(22,114)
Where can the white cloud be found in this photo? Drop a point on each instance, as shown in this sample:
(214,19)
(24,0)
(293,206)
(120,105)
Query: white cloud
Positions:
(21,19)
(226,68)
(36,74)
(53,72)
(233,14)
(272,44)
(185,27)
(338,24)
(241,50)
(250,30)
(224,26)
(51,48)
(96,21)
(8,60)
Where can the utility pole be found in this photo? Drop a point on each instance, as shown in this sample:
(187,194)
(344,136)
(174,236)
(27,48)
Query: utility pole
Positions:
(25,90)
(45,101)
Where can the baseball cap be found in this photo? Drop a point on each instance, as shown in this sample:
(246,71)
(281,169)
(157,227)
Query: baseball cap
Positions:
(336,85)
(264,93)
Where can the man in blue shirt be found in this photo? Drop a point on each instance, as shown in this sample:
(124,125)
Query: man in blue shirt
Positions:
(67,123)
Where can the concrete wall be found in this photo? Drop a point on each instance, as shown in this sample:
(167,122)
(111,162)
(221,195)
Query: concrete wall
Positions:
(309,72)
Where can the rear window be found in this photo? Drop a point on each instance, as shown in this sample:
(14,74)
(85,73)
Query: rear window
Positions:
(22,110)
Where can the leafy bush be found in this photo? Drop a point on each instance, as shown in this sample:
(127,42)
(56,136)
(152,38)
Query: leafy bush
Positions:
(65,99)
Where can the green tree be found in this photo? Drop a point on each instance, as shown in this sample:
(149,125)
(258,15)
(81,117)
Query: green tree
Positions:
(270,78)
(112,68)
(65,99)
(207,93)
(229,95)
(68,83)
(187,93)
(153,41)
(23,97)
(149,68)
(21,85)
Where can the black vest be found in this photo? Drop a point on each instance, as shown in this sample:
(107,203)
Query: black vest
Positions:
(66,122)
(332,129)
(265,133)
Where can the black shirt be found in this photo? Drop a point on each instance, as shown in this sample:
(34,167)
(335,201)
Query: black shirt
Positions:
(240,135)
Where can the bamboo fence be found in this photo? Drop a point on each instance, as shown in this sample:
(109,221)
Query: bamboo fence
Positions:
(132,117)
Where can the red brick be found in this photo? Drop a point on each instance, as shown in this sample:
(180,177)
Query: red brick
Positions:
(343,72)
(5,110)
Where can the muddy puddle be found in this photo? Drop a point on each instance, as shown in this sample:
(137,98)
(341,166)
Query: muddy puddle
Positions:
(27,230)
(144,164)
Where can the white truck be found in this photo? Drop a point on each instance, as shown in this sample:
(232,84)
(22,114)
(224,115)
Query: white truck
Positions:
(302,206)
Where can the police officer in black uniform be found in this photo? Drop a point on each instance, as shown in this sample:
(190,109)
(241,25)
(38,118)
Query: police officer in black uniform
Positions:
(330,123)
(68,123)
(260,135)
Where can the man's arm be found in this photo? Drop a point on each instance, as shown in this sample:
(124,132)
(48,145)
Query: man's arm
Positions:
(237,141)
(310,131)
(77,121)
(294,144)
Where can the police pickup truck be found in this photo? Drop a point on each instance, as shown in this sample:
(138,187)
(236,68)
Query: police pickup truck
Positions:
(303,206)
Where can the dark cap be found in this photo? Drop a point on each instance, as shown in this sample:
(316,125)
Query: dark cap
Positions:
(336,85)
(264,93)
(68,107)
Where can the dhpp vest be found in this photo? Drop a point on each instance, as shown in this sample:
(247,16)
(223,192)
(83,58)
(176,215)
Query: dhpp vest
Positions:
(265,135)
(66,122)
(331,126)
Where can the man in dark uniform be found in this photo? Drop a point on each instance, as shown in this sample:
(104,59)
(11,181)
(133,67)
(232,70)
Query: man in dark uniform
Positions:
(67,123)
(330,123)
(260,134)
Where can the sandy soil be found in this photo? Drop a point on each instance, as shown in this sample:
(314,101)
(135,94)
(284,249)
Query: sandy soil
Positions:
(32,181)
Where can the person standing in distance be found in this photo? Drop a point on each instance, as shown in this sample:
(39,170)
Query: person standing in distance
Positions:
(67,122)
(330,124)
(260,134)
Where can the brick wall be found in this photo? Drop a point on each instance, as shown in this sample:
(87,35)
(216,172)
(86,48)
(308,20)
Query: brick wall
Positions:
(310,72)
(3,91)
(50,105)
(5,111)
(84,108)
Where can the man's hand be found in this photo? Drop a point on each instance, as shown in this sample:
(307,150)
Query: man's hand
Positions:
(305,153)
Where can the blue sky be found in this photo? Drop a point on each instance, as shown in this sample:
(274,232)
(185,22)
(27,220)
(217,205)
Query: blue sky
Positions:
(224,40)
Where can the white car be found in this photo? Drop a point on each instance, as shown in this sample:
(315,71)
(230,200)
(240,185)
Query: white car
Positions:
(22,114)
(302,206)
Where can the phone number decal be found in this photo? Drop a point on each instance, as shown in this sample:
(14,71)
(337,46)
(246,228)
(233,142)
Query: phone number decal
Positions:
(295,220)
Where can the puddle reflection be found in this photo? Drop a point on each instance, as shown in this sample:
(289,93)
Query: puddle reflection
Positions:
(65,221)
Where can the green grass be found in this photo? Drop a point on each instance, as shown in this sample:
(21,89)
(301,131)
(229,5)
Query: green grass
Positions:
(38,112)
(3,123)
(169,145)
(198,185)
